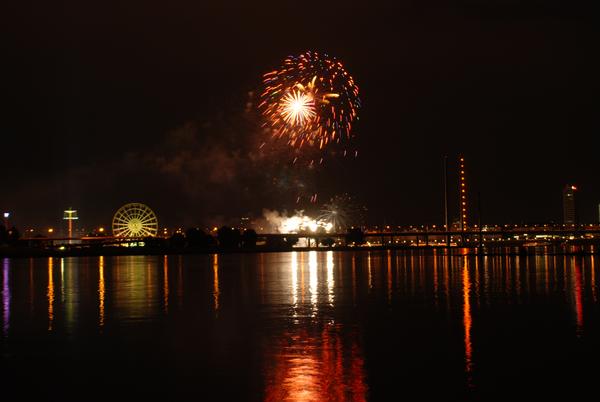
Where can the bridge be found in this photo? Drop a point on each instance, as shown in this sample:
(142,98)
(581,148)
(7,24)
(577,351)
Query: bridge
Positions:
(484,237)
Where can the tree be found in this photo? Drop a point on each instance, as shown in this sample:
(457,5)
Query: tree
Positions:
(229,237)
(156,242)
(291,241)
(211,241)
(13,235)
(281,243)
(249,238)
(177,240)
(197,238)
(355,236)
(327,242)
(3,235)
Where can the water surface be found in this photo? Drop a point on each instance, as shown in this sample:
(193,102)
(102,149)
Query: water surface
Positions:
(299,326)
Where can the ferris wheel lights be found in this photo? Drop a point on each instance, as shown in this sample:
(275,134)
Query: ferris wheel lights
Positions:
(134,220)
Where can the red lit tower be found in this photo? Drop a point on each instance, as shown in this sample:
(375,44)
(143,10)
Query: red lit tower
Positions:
(463,195)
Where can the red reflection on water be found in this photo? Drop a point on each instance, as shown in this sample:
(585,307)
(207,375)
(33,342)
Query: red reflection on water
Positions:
(446,281)
(577,289)
(216,291)
(316,367)
(369,271)
(6,296)
(389,277)
(435,278)
(593,279)
(467,320)
(354,279)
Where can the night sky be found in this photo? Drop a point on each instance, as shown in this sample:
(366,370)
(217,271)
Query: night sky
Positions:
(155,102)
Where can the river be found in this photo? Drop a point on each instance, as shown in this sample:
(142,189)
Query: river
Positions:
(299,326)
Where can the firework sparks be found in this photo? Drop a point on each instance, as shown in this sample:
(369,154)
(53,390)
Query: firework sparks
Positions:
(301,223)
(311,100)
(298,223)
(341,212)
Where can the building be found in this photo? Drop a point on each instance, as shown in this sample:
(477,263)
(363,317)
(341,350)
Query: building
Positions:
(569,205)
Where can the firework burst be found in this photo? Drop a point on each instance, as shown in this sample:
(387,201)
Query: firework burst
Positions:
(311,100)
(342,212)
(297,108)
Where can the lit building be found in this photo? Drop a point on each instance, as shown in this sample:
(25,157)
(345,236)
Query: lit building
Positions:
(569,206)
(463,195)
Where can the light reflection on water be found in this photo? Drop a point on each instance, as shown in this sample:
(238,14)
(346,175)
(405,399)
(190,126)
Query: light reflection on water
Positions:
(312,266)
(216,282)
(593,280)
(306,365)
(166,284)
(467,320)
(50,293)
(314,356)
(101,291)
(6,296)
(312,319)
(135,291)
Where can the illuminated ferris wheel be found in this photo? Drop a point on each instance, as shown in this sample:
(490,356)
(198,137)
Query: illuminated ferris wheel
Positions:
(134,220)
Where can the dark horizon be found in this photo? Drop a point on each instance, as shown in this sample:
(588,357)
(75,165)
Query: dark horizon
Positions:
(110,104)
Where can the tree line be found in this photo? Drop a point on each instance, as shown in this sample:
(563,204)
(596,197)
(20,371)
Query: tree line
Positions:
(9,236)
(225,238)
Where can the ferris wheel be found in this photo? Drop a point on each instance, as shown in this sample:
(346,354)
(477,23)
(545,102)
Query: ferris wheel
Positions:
(134,220)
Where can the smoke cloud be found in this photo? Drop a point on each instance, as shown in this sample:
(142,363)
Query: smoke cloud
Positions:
(199,174)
